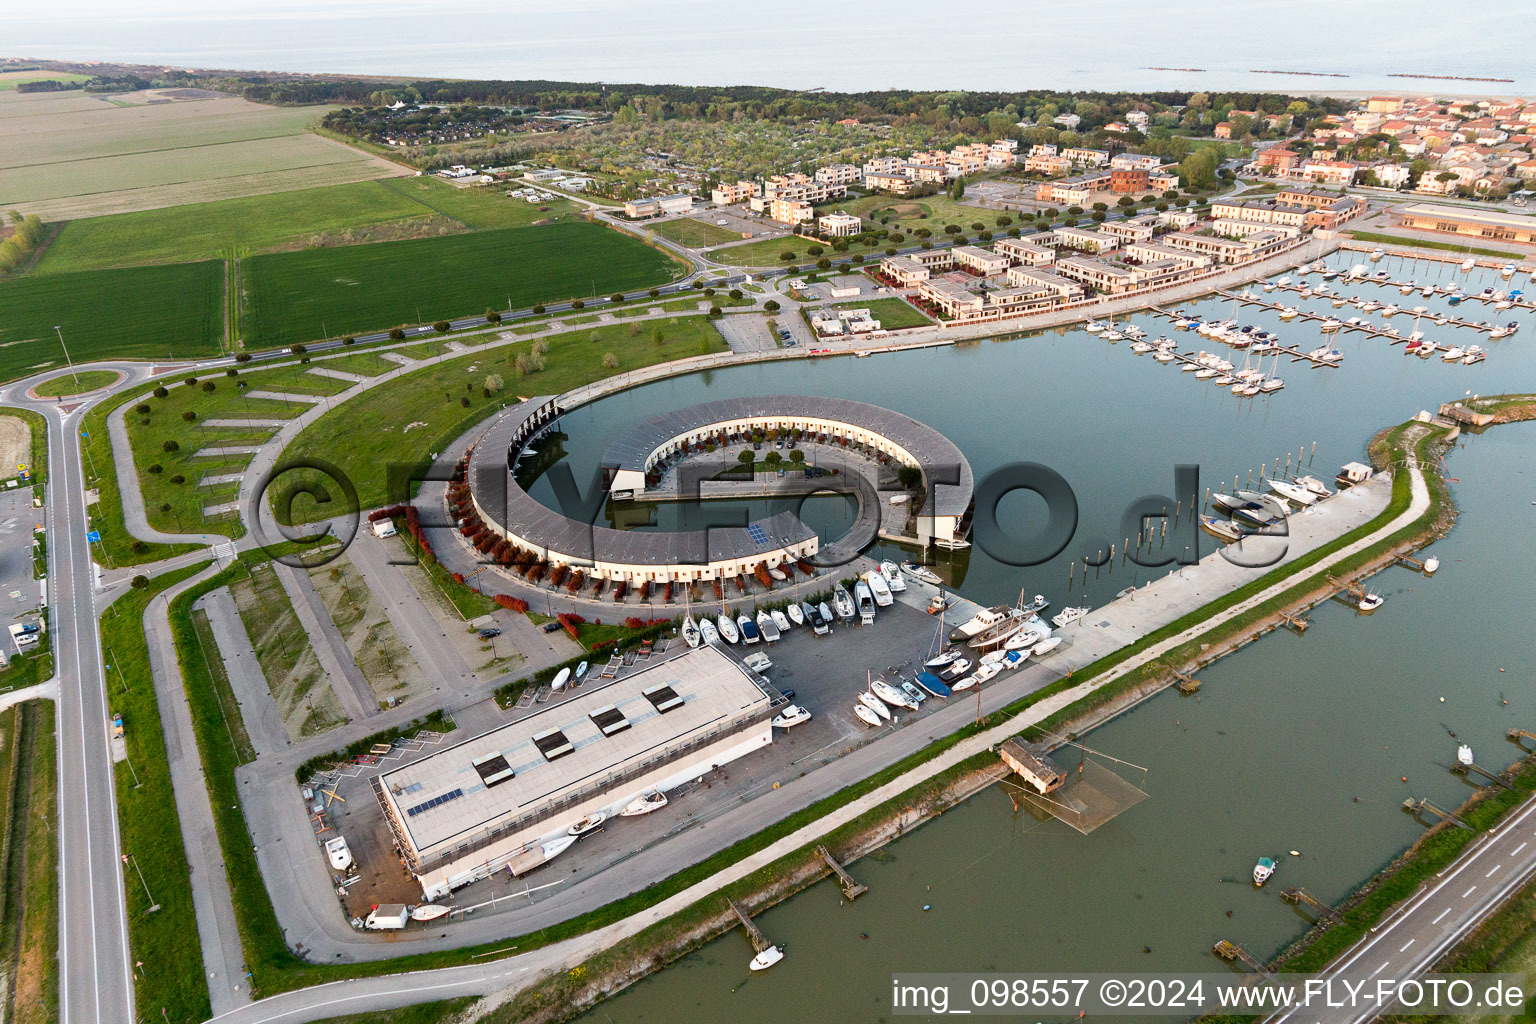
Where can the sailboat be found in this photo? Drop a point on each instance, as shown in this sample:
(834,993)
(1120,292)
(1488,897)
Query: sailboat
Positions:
(796,613)
(691,634)
(728,631)
(844,602)
(708,632)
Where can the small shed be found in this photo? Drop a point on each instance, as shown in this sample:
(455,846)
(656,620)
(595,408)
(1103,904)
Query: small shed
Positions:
(1353,473)
(1037,769)
(383,528)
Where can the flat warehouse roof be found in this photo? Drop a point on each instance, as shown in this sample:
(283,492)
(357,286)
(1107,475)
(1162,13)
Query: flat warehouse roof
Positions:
(605,730)
(1507,220)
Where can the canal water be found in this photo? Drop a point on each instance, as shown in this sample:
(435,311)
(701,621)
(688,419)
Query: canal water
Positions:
(1295,743)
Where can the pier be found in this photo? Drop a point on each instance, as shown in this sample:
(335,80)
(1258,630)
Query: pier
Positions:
(1475,769)
(851,886)
(1296,354)
(1296,894)
(1185,682)
(1428,255)
(1518,735)
(1369,329)
(760,942)
(1417,807)
(1232,951)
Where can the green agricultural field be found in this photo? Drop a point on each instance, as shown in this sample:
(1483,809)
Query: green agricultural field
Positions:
(480,207)
(694,233)
(893,314)
(135,313)
(400,422)
(294,296)
(249,225)
(11,79)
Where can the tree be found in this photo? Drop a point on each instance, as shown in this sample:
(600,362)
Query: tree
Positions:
(492,317)
(157,469)
(815,250)
(772,306)
(396,334)
(616,298)
(189,416)
(493,383)
(209,386)
(610,361)
(538,310)
(716,311)
(161,392)
(143,409)
(140,583)
(656,336)
(299,350)
(796,456)
(746,458)
(773,458)
(578,304)
(909,476)
(170,446)
(353,341)
(823,264)
(440,326)
(787,255)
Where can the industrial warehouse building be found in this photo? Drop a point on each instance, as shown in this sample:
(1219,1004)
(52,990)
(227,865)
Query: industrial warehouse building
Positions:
(1459,220)
(462,813)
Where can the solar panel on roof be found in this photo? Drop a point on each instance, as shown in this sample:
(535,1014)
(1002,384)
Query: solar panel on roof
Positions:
(756,533)
(452,794)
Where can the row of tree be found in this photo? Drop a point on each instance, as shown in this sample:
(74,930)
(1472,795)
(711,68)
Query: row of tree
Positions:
(27,233)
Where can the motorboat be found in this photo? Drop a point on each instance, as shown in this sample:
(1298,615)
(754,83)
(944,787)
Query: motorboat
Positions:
(431,911)
(1221,529)
(874,705)
(790,717)
(1370,602)
(708,633)
(1507,270)
(1377,254)
(1226,502)
(980,622)
(1026,638)
(1135,332)
(1069,615)
(780,620)
(962,684)
(1474,355)
(843,601)
(1165,355)
(1292,493)
(690,631)
(581,673)
(955,669)
(985,672)
(645,803)
(339,853)
(912,691)
(778,574)
(1452,354)
(941,660)
(749,633)
(1036,606)
(1045,646)
(809,613)
(728,631)
(586,826)
(921,573)
(1329,356)
(893,577)
(892,695)
(866,602)
(1263,870)
(1205,373)
(1431,564)
(1331,325)
(993,657)
(558,683)
(766,959)
(1140,347)
(1256,514)
(879,588)
(1110,335)
(1093,327)
(867,716)
(1289,313)
(932,683)
(1464,755)
(1314,485)
(1014,659)
(796,614)
(825,615)
(767,627)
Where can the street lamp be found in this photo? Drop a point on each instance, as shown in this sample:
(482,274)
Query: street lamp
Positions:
(67,360)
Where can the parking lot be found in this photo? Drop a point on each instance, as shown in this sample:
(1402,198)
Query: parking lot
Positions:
(824,673)
(19,592)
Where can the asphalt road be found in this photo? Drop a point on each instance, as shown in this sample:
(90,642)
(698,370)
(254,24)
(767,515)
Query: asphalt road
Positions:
(1446,909)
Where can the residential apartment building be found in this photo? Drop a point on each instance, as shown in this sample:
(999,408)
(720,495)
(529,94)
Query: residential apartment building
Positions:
(950,298)
(1222,250)
(934,259)
(1244,228)
(1086,157)
(791,211)
(1326,172)
(839,225)
(1086,239)
(980,261)
(1135,162)
(1061,287)
(896,184)
(839,174)
(1129,179)
(730,195)
(1017,250)
(1152,252)
(1163,181)
(904,271)
(883,165)
(1259,213)
(1136,230)
(1015,301)
(1047,163)
(1178,219)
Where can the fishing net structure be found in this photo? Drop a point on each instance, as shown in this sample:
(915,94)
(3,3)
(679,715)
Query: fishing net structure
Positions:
(1093,794)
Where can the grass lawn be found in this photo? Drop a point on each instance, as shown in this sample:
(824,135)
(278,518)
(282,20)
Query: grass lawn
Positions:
(1425,243)
(248,225)
(420,1013)
(892,313)
(294,296)
(11,79)
(364,364)
(75,384)
(37,428)
(397,424)
(30,939)
(481,207)
(694,233)
(303,696)
(36,666)
(234,724)
(135,313)
(173,978)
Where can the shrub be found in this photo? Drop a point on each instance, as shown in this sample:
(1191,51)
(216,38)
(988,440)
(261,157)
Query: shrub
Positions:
(396,334)
(538,310)
(189,416)
(440,326)
(178,479)
(578,304)
(209,386)
(161,392)
(349,341)
(610,361)
(716,311)
(155,468)
(170,446)
(616,298)
(492,317)
(516,604)
(142,409)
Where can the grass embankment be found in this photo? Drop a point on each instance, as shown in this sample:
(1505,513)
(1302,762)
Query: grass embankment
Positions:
(1425,243)
(172,978)
(420,1013)
(468,602)
(892,313)
(317,293)
(393,428)
(132,313)
(67,384)
(229,706)
(29,938)
(31,668)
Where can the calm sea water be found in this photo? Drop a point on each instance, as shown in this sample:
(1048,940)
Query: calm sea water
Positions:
(985,45)
(1295,743)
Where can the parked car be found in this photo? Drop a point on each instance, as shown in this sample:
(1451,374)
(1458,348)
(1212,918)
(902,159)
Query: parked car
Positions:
(31,627)
(486,634)
(551,626)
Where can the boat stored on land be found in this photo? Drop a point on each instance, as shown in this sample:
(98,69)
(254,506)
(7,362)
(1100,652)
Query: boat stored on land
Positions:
(892,695)
(728,630)
(767,627)
(791,716)
(691,634)
(867,716)
(645,803)
(749,633)
(933,684)
(586,826)
(878,587)
(866,602)
(874,704)
(980,622)
(843,601)
(893,577)
(708,632)
(796,613)
(780,620)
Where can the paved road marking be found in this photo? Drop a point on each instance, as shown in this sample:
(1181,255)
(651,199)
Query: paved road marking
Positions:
(1383,967)
(1518,848)
(1407,944)
(1469,892)
(1492,870)
(1447,910)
